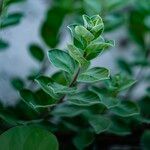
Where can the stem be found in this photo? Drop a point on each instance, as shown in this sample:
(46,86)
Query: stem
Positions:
(70,85)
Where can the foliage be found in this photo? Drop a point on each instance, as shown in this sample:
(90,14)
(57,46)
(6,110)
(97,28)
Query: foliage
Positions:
(82,101)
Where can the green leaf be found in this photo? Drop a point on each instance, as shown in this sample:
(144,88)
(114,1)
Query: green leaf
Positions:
(145,140)
(96,47)
(86,98)
(34,101)
(99,123)
(94,75)
(120,82)
(44,82)
(144,105)
(8,117)
(10,20)
(17,83)
(119,127)
(126,109)
(36,52)
(94,24)
(95,6)
(52,24)
(125,66)
(28,138)
(65,110)
(76,54)
(60,78)
(62,60)
(113,21)
(109,102)
(83,32)
(83,139)
(58,88)
(3,45)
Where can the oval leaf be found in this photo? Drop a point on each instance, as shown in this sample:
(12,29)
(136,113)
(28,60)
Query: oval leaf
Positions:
(62,60)
(94,75)
(126,109)
(28,138)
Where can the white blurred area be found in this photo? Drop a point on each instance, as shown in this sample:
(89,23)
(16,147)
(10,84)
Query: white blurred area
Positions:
(16,61)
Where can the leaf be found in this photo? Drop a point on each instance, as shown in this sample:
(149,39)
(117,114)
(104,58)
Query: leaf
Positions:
(99,123)
(58,88)
(3,45)
(144,105)
(36,52)
(94,75)
(60,78)
(76,54)
(34,101)
(10,20)
(51,26)
(113,21)
(83,139)
(64,110)
(119,127)
(86,98)
(109,102)
(44,82)
(145,140)
(17,83)
(8,117)
(83,32)
(126,109)
(78,40)
(120,82)
(96,47)
(95,7)
(124,66)
(94,24)
(62,60)
(28,138)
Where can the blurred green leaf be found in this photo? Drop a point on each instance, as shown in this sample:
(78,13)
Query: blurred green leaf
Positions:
(3,45)
(125,66)
(34,101)
(36,52)
(126,109)
(94,75)
(109,102)
(65,110)
(136,24)
(28,137)
(10,20)
(145,140)
(99,123)
(120,82)
(86,98)
(144,105)
(83,139)
(51,26)
(119,127)
(17,83)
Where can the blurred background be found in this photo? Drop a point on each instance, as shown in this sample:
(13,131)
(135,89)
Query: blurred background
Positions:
(29,28)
